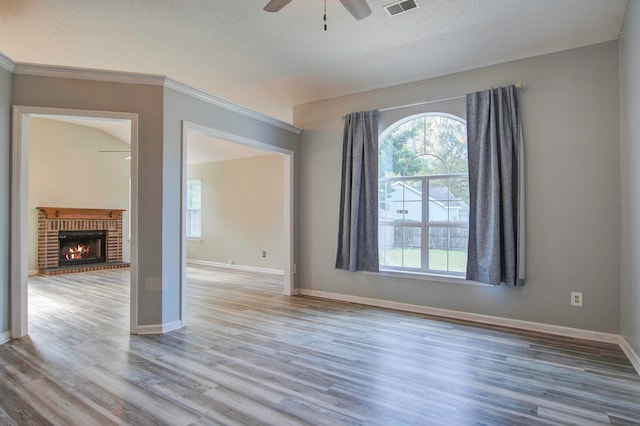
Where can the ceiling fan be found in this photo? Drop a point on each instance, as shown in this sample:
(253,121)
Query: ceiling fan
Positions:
(358,8)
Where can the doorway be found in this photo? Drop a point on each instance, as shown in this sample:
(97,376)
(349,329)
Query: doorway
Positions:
(232,142)
(22,245)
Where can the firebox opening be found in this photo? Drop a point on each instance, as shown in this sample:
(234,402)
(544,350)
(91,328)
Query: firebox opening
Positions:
(81,247)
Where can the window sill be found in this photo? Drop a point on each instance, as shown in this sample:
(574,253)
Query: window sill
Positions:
(428,277)
(198,240)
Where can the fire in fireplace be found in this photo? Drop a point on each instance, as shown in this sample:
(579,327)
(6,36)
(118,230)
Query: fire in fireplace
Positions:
(81,247)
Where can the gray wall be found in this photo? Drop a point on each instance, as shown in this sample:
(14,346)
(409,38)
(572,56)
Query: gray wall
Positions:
(160,113)
(147,102)
(5,202)
(630,175)
(242,212)
(179,107)
(570,112)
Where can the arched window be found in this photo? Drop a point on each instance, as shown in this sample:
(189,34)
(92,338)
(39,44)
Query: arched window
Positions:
(424,195)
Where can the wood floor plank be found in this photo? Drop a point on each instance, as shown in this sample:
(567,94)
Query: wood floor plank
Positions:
(253,356)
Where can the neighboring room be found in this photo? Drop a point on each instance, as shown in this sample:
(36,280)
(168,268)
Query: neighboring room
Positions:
(75,162)
(240,207)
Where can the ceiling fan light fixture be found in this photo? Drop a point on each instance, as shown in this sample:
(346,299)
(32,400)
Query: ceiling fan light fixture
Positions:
(276,5)
(358,8)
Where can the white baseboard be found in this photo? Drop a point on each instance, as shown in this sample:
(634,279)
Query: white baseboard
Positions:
(630,353)
(5,336)
(159,328)
(468,316)
(33,272)
(237,267)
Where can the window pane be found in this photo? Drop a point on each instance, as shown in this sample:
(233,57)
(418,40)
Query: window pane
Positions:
(438,247)
(412,195)
(412,243)
(458,243)
(459,187)
(444,203)
(448,249)
(390,255)
(396,211)
(385,198)
(193,217)
(399,246)
(193,224)
(194,190)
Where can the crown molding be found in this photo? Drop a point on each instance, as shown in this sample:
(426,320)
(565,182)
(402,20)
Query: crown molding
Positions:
(6,63)
(228,105)
(88,74)
(138,78)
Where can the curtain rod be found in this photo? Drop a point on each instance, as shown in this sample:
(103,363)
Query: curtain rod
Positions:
(518,86)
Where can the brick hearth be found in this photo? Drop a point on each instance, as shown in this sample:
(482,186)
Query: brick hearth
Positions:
(51,220)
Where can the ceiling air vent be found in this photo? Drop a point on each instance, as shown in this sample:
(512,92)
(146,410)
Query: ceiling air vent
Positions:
(399,7)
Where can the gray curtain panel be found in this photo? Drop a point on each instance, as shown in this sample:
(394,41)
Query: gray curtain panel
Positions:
(496,183)
(358,228)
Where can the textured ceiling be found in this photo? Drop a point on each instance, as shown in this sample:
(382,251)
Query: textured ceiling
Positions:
(271,62)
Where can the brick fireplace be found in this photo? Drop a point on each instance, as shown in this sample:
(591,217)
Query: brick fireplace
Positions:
(79,240)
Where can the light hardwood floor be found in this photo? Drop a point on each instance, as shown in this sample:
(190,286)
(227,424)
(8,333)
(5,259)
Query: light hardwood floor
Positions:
(252,356)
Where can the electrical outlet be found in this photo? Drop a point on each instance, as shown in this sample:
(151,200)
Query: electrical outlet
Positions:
(264,253)
(293,268)
(576,298)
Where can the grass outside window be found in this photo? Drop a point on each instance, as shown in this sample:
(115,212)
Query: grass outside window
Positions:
(399,257)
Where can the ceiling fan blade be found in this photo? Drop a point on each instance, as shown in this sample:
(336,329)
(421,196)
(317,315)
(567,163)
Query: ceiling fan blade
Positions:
(276,5)
(358,8)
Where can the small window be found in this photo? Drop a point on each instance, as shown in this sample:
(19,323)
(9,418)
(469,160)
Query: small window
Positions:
(194,208)
(423,220)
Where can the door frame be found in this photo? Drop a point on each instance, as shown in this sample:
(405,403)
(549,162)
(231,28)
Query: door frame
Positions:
(20,208)
(288,202)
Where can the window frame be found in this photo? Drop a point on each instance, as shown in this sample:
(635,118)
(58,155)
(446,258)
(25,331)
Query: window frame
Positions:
(188,210)
(425,223)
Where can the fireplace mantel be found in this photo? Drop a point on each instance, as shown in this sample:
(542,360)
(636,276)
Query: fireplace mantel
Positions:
(74,213)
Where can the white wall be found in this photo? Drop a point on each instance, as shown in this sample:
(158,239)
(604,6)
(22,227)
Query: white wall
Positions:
(630,175)
(5,200)
(242,212)
(570,113)
(66,169)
